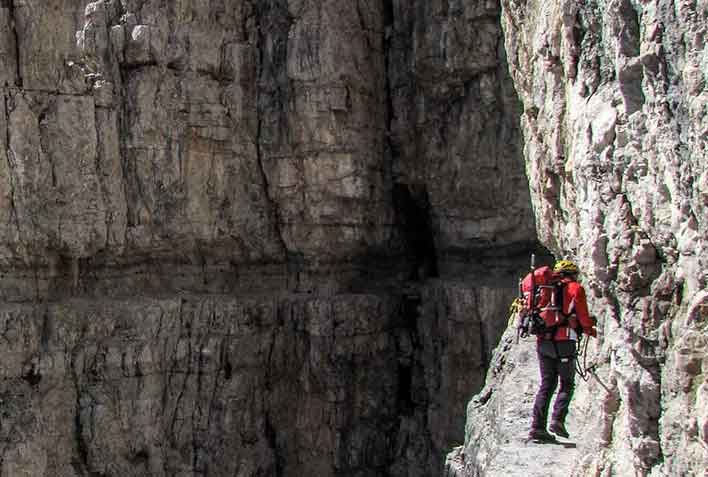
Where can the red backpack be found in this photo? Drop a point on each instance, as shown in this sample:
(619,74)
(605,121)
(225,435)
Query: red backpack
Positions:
(542,300)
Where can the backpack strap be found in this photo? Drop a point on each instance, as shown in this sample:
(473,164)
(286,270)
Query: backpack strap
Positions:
(557,305)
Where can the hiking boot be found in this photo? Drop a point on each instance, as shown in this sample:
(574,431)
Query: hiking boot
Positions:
(558,428)
(541,435)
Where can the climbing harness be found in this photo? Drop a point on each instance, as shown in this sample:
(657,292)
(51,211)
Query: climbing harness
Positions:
(583,369)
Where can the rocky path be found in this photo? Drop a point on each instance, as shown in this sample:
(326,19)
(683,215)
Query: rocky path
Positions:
(497,431)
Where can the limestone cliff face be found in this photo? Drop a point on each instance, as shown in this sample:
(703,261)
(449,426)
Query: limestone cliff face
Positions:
(245,237)
(615,133)
(277,237)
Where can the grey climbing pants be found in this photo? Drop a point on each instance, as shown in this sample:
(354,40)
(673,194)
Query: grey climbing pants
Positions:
(557,363)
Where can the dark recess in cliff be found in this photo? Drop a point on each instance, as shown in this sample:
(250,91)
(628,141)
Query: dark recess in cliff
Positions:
(413,211)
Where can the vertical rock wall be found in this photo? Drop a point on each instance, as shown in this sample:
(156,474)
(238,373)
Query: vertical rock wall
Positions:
(251,237)
(615,126)
(454,138)
(241,385)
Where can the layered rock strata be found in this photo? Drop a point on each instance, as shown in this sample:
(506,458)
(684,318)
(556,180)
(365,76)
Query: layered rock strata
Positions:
(615,126)
(245,237)
(237,385)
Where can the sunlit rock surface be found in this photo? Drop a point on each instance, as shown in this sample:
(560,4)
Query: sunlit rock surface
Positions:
(615,133)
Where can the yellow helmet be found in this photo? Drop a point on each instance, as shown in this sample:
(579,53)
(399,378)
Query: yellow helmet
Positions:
(565,267)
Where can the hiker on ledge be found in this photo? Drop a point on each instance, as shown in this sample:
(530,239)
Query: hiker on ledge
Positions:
(564,311)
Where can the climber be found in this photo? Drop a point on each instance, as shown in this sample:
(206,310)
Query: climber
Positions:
(565,318)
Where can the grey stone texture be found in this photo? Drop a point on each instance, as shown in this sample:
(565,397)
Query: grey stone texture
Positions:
(237,385)
(251,238)
(278,237)
(615,138)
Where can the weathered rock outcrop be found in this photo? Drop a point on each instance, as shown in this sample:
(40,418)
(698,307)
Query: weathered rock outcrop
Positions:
(615,128)
(276,237)
(244,237)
